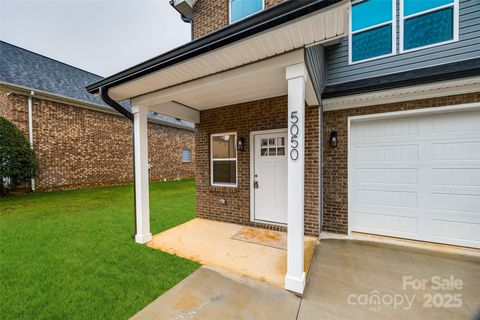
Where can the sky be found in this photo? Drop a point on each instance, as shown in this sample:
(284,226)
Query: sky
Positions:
(103,37)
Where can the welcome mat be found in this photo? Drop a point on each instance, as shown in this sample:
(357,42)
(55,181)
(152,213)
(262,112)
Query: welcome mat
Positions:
(269,238)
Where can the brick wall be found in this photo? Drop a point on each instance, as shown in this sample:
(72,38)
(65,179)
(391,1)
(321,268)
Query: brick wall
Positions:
(335,161)
(211,15)
(244,118)
(79,148)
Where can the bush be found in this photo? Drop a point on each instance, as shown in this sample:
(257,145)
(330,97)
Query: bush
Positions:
(17,160)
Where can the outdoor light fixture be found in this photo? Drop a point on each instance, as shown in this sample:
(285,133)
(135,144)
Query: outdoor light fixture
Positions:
(240,143)
(333,139)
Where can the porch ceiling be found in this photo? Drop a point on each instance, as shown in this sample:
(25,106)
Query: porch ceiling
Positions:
(319,26)
(260,80)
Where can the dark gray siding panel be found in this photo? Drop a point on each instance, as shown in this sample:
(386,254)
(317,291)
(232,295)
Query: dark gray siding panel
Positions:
(467,47)
(315,62)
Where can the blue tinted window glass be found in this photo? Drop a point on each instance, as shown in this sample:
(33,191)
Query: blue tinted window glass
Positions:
(371,12)
(186,155)
(243,8)
(415,6)
(428,29)
(372,43)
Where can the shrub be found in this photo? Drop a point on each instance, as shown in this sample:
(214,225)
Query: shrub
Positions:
(17,159)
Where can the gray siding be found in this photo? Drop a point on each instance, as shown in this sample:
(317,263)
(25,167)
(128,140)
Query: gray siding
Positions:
(314,58)
(468,47)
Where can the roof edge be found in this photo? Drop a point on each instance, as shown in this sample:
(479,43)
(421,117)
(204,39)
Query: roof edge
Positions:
(81,103)
(449,71)
(257,23)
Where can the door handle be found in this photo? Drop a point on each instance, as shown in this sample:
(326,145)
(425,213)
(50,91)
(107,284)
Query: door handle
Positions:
(255,184)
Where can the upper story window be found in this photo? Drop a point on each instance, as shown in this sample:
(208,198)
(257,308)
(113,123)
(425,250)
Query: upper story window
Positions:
(240,9)
(425,24)
(223,166)
(372,30)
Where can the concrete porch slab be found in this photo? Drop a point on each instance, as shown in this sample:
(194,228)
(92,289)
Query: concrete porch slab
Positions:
(211,243)
(214,294)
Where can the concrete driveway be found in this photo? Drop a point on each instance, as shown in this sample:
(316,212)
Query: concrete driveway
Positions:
(347,280)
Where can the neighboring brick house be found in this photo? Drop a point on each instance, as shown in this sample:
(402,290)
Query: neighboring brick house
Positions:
(325,115)
(80,141)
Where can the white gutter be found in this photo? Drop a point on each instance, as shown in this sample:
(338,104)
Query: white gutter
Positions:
(30,129)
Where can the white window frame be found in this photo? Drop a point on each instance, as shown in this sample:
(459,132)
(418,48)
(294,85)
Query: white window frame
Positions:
(189,155)
(456,26)
(229,185)
(393,22)
(230,12)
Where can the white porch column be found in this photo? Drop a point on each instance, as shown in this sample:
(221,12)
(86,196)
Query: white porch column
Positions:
(142,206)
(296,76)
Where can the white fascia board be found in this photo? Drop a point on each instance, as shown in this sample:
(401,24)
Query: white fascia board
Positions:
(177,110)
(425,91)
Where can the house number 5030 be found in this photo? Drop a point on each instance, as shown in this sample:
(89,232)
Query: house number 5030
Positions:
(294,132)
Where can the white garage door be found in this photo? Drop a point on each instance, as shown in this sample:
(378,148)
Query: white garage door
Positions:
(417,177)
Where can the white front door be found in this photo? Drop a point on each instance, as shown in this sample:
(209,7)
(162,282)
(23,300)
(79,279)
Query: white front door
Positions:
(417,177)
(270,177)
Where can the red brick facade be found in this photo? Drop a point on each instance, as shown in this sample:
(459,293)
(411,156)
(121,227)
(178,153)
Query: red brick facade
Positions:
(244,118)
(78,148)
(211,15)
(335,160)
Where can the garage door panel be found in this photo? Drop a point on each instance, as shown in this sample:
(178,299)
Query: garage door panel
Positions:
(408,152)
(387,198)
(417,177)
(387,176)
(456,177)
(375,130)
(380,223)
(467,151)
(456,202)
(468,234)
(451,123)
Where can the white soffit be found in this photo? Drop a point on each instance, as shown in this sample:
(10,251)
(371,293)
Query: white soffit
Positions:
(432,90)
(259,80)
(317,27)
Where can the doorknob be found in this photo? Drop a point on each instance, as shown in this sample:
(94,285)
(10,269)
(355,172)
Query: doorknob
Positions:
(255,184)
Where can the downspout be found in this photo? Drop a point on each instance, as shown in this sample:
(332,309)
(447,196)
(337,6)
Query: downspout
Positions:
(30,131)
(188,20)
(116,106)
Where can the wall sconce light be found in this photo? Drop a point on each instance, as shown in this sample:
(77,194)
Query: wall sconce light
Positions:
(333,139)
(240,143)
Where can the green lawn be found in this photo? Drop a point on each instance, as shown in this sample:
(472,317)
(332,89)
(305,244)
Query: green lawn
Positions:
(70,255)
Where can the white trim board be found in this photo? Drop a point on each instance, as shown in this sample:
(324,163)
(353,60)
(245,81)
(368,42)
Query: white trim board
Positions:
(432,90)
(223,185)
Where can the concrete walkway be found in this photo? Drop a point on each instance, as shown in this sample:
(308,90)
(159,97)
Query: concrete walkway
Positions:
(212,294)
(347,280)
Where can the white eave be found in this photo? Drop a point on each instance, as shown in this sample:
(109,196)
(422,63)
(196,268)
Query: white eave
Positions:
(317,27)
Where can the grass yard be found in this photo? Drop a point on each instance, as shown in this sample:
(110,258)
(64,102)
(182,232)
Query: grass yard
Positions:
(70,255)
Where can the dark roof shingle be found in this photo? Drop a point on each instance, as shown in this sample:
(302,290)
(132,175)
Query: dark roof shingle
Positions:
(31,70)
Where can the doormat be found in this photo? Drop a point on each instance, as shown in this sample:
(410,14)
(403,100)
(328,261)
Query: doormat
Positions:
(269,238)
